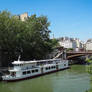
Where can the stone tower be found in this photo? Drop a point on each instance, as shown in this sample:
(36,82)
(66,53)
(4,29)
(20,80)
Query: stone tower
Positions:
(24,16)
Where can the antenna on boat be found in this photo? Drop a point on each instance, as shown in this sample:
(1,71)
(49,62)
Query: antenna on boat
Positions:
(19,58)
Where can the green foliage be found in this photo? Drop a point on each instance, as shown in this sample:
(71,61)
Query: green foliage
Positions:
(89,60)
(89,68)
(29,38)
(54,43)
(70,49)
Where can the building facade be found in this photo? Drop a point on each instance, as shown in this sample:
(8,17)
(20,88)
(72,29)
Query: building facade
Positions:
(67,42)
(89,45)
(71,43)
(23,16)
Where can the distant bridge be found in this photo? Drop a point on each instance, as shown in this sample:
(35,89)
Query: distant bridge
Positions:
(73,54)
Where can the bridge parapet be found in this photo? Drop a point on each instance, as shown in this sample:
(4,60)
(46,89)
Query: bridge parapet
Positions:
(73,54)
(79,52)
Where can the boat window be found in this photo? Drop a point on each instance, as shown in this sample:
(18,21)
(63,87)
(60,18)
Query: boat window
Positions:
(33,71)
(50,62)
(52,67)
(32,66)
(64,64)
(17,64)
(28,72)
(24,73)
(46,68)
(49,67)
(21,65)
(13,74)
(36,70)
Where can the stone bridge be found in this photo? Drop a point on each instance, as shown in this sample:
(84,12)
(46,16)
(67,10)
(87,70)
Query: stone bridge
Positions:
(73,54)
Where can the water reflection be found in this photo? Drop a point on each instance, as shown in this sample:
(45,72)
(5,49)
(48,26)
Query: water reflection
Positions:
(90,90)
(33,85)
(75,79)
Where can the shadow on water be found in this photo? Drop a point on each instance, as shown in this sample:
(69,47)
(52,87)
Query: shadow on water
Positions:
(75,79)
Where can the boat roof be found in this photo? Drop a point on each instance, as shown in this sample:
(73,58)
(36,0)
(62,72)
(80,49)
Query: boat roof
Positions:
(34,61)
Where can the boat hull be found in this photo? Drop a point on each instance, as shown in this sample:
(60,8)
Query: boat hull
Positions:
(30,77)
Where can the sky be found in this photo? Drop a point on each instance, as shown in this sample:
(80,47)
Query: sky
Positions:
(72,18)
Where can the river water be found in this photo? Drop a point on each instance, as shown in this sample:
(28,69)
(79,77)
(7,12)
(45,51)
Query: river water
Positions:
(75,79)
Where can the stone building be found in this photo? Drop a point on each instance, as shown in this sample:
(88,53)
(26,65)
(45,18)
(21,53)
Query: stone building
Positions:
(23,16)
(74,43)
(89,44)
(67,42)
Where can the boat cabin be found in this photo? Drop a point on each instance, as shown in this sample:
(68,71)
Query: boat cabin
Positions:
(22,65)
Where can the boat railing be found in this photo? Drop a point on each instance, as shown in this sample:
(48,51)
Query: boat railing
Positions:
(10,68)
(29,68)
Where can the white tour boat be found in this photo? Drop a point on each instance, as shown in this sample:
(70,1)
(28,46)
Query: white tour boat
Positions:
(30,69)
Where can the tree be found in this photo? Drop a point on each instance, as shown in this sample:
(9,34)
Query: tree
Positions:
(28,38)
(10,33)
(37,37)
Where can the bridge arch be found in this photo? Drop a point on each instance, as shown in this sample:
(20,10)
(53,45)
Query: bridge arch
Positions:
(77,55)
